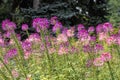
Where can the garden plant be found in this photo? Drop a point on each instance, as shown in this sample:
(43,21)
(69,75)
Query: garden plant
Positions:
(56,52)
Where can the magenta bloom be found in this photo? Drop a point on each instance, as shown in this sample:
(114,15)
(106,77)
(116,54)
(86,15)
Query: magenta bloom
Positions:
(82,33)
(11,53)
(98,47)
(15,73)
(111,40)
(57,27)
(87,49)
(118,40)
(98,62)
(62,50)
(7,34)
(40,24)
(27,46)
(62,38)
(89,63)
(80,27)
(106,56)
(91,29)
(34,38)
(107,27)
(54,20)
(7,25)
(83,36)
(92,38)
(1,42)
(24,27)
(4,23)
(70,32)
(102,36)
(99,28)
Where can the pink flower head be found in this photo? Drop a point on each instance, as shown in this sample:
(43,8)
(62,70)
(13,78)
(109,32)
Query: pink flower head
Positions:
(7,25)
(15,73)
(106,56)
(91,29)
(62,38)
(102,36)
(62,50)
(111,40)
(54,20)
(34,38)
(24,27)
(99,28)
(98,62)
(70,32)
(89,63)
(11,53)
(1,42)
(27,54)
(1,65)
(87,49)
(92,38)
(27,46)
(57,27)
(4,23)
(83,36)
(40,24)
(107,27)
(18,36)
(118,40)
(80,27)
(98,47)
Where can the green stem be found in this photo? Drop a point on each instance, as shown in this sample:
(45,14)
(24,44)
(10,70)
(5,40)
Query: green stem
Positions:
(3,75)
(20,51)
(110,69)
(46,49)
(7,69)
(27,33)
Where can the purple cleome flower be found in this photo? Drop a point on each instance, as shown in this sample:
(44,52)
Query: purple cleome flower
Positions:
(106,56)
(57,27)
(99,28)
(4,23)
(40,24)
(83,35)
(27,46)
(91,29)
(107,27)
(93,39)
(54,20)
(11,53)
(98,47)
(1,42)
(98,62)
(7,25)
(87,49)
(80,27)
(24,27)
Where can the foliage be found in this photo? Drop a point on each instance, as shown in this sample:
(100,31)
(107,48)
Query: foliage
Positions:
(114,10)
(5,9)
(70,12)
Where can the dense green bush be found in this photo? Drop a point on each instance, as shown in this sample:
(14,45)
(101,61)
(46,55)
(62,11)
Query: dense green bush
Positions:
(5,9)
(70,12)
(114,10)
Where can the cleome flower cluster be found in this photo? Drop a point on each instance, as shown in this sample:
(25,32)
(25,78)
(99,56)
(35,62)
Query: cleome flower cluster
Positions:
(52,37)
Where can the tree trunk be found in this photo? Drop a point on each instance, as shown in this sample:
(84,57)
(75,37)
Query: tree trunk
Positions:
(36,4)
